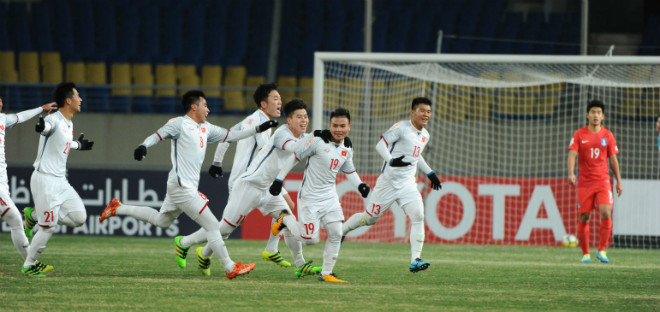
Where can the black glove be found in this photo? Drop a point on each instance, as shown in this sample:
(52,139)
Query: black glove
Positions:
(364,189)
(140,152)
(323,134)
(435,182)
(267,125)
(276,187)
(84,145)
(398,162)
(215,171)
(348,143)
(41,125)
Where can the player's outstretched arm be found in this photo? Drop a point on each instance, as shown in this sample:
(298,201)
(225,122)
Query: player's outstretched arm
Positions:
(21,117)
(83,144)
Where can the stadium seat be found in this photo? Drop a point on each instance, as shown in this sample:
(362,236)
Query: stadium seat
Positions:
(51,67)
(63,33)
(211,77)
(306,83)
(106,30)
(83,28)
(8,71)
(331,95)
(98,97)
(530,32)
(143,79)
(75,71)
(120,74)
(252,82)
(354,34)
(287,86)
(379,89)
(334,32)
(234,100)
(509,30)
(166,98)
(28,71)
(187,78)
(150,32)
(352,100)
(41,29)
(480,108)
(648,109)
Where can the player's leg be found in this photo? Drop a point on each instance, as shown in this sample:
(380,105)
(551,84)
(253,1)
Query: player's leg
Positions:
(72,211)
(161,218)
(380,201)
(333,226)
(585,197)
(280,208)
(604,201)
(13,218)
(415,211)
(310,227)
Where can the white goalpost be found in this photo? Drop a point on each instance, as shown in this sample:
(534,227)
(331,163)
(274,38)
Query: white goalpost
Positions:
(500,130)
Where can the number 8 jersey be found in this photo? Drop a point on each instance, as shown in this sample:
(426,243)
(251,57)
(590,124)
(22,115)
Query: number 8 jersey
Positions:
(593,151)
(403,139)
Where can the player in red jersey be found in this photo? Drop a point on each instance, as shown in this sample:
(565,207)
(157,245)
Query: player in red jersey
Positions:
(594,145)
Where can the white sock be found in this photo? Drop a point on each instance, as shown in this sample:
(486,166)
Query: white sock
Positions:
(37,247)
(217,246)
(146,214)
(331,250)
(13,219)
(295,246)
(354,222)
(416,240)
(195,238)
(273,240)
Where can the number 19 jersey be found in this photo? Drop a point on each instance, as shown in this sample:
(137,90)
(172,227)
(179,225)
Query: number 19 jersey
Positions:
(403,139)
(593,151)
(325,161)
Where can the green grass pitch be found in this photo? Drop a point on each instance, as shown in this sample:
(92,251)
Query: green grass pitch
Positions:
(128,273)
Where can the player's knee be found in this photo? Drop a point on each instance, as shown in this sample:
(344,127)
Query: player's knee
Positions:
(584,217)
(213,236)
(13,219)
(312,241)
(47,229)
(369,220)
(225,229)
(78,217)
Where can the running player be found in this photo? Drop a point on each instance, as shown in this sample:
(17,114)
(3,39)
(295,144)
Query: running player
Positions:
(406,140)
(189,136)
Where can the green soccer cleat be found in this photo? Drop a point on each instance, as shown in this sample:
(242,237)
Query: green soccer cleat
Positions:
(307,269)
(43,268)
(32,271)
(275,257)
(180,252)
(204,262)
(586,258)
(29,221)
(602,256)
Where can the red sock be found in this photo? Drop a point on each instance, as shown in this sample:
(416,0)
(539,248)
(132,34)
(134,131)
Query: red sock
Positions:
(583,236)
(605,231)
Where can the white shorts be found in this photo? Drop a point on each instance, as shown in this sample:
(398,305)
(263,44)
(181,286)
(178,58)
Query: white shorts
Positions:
(314,215)
(5,203)
(385,194)
(53,197)
(245,197)
(178,200)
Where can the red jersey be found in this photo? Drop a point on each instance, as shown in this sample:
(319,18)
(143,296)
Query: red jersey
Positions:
(593,150)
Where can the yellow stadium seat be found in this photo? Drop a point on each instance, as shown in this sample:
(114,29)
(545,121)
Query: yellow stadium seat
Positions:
(235,78)
(650,103)
(517,104)
(75,72)
(352,96)
(166,77)
(120,74)
(96,73)
(8,71)
(252,82)
(187,78)
(331,87)
(28,67)
(631,101)
(51,67)
(143,76)
(290,83)
(306,95)
(212,77)
(480,108)
(378,98)
(547,105)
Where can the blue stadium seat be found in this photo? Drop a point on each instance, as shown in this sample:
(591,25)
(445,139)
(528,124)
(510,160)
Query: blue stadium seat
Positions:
(380,26)
(83,27)
(149,43)
(19,31)
(487,27)
(530,32)
(354,26)
(447,23)
(570,36)
(650,44)
(105,35)
(141,104)
(334,27)
(172,32)
(63,33)
(128,22)
(238,32)
(509,30)
(550,32)
(467,26)
(193,34)
(259,37)
(423,37)
(400,23)
(290,44)
(41,32)
(216,32)
(4,34)
(312,36)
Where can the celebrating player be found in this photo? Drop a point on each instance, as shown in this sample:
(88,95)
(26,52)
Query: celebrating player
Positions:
(318,203)
(251,189)
(406,140)
(56,202)
(269,102)
(190,135)
(594,146)
(8,211)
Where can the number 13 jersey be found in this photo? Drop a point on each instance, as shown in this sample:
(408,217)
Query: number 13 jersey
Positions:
(403,139)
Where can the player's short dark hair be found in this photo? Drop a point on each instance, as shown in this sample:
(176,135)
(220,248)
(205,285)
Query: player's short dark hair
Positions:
(341,112)
(419,100)
(293,106)
(63,91)
(596,103)
(262,92)
(191,97)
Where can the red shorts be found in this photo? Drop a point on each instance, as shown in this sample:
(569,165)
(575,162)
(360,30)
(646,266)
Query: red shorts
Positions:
(591,197)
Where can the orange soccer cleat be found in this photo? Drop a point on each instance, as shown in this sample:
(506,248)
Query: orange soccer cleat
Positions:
(110,210)
(240,269)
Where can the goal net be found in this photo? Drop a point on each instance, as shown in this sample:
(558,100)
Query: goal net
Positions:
(499,135)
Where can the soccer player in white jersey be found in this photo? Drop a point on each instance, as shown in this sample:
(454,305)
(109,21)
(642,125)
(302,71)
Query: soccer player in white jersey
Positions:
(8,211)
(55,200)
(189,136)
(251,189)
(406,140)
(268,99)
(318,202)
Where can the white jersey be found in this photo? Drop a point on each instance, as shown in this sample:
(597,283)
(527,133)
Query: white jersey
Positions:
(6,122)
(189,140)
(272,157)
(325,161)
(247,149)
(404,139)
(55,146)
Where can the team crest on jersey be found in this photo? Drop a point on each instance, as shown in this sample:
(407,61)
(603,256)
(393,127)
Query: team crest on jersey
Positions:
(203,130)
(344,153)
(326,150)
(603,142)
(249,121)
(2,127)
(423,139)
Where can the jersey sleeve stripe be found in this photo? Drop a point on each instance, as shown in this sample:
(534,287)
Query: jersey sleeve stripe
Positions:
(226,136)
(296,156)
(159,137)
(349,172)
(287,141)
(3,214)
(383,138)
(223,219)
